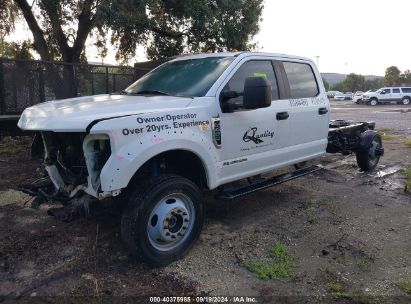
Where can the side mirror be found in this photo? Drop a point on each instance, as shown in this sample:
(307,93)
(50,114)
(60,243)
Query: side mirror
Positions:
(382,92)
(257,93)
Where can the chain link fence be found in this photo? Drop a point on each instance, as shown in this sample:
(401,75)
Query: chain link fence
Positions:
(27,82)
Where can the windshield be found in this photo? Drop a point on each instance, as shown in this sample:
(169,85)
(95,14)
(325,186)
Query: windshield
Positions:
(188,78)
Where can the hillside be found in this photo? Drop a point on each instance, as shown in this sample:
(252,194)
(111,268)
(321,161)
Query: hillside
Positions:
(334,78)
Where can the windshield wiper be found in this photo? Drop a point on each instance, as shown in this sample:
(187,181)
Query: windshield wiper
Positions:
(154,92)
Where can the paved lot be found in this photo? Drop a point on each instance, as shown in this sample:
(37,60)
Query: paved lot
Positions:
(396,117)
(346,235)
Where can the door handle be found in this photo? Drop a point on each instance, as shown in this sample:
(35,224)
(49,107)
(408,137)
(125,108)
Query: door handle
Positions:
(322,111)
(282,115)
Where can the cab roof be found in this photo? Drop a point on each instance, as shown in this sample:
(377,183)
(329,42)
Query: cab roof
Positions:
(238,54)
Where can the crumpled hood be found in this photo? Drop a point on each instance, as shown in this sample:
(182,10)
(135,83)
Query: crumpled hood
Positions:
(75,114)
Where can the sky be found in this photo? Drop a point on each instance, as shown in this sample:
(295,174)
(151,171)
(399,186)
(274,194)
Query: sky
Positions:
(349,36)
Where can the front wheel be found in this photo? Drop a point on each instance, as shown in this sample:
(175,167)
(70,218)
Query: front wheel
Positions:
(373,102)
(163,219)
(406,101)
(369,151)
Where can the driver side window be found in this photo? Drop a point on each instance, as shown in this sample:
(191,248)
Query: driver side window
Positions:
(254,68)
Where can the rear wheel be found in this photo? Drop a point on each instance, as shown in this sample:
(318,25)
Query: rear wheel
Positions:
(163,219)
(406,101)
(370,150)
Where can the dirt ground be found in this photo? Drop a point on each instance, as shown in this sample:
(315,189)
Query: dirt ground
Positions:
(348,232)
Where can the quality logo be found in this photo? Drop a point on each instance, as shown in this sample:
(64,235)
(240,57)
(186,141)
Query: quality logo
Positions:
(252,135)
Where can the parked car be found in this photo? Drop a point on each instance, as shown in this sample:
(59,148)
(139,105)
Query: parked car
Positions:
(348,95)
(331,94)
(357,98)
(388,95)
(339,96)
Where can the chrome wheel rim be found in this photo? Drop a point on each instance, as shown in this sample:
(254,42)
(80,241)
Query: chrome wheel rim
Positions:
(171,222)
(371,152)
(373,102)
(406,101)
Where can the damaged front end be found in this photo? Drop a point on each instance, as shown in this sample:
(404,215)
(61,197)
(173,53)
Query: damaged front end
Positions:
(72,165)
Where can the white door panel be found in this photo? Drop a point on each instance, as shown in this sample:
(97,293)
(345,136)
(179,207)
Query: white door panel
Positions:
(309,122)
(247,136)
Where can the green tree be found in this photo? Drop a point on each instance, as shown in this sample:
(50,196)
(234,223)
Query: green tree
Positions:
(373,84)
(60,28)
(353,82)
(327,86)
(392,76)
(15,50)
(406,77)
(338,87)
(8,14)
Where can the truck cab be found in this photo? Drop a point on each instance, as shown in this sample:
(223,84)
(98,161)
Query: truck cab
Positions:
(291,127)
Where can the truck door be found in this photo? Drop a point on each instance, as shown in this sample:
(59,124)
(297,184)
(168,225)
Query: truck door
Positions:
(252,140)
(385,95)
(396,95)
(309,115)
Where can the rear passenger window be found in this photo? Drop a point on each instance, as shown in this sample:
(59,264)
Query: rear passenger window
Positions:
(395,90)
(255,68)
(302,80)
(406,90)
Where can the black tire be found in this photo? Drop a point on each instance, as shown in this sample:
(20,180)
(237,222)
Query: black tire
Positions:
(138,215)
(406,100)
(367,158)
(373,102)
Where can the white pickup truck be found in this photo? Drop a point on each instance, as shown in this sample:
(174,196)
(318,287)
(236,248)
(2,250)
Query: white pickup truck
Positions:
(193,124)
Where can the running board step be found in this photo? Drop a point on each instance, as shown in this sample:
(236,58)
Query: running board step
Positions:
(275,180)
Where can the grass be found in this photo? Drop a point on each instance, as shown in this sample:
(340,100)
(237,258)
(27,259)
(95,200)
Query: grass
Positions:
(384,135)
(338,290)
(407,172)
(335,287)
(365,263)
(408,142)
(332,207)
(404,285)
(279,265)
(8,150)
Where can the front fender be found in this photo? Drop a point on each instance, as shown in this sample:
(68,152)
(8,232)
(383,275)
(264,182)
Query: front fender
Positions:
(124,163)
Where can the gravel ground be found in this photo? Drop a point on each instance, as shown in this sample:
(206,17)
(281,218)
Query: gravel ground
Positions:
(348,234)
